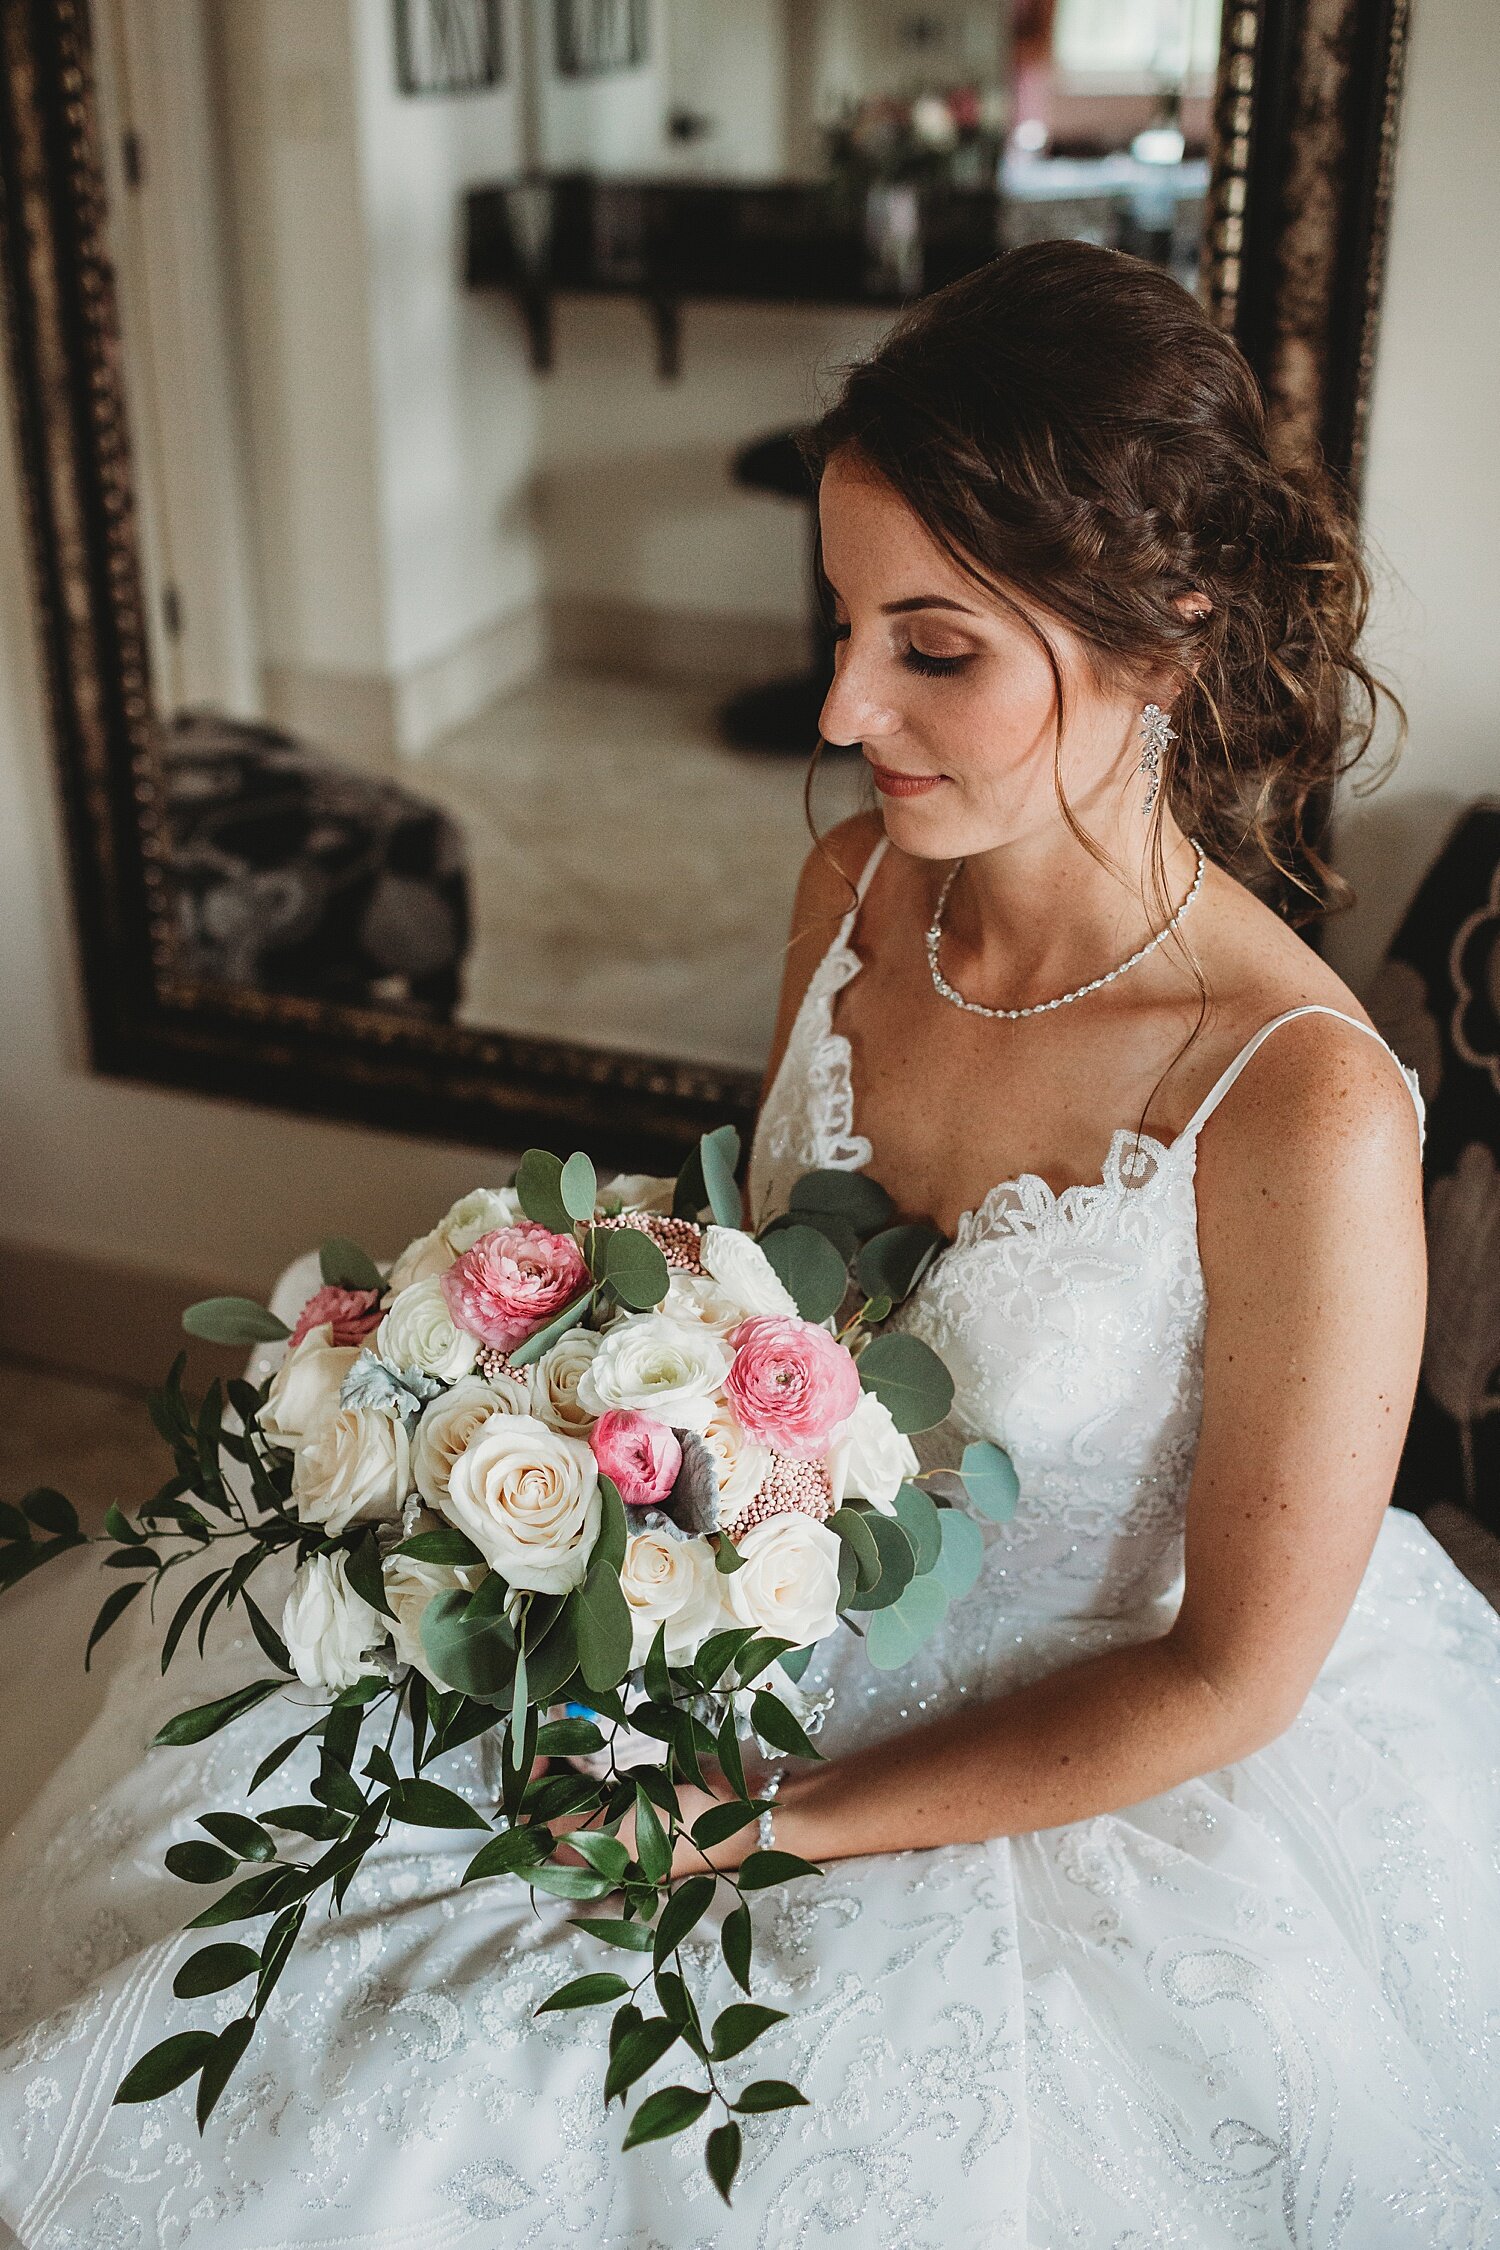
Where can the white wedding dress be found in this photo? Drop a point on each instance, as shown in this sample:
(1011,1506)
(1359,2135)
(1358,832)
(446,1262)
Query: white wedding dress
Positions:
(1260,2009)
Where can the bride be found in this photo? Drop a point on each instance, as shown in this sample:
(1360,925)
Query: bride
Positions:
(1161,1901)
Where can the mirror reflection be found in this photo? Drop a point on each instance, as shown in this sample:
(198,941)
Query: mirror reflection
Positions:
(466,345)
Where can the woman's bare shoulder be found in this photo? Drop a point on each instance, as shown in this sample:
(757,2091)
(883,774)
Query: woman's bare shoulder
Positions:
(830,874)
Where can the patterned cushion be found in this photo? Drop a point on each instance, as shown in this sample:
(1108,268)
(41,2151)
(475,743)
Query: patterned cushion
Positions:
(296,872)
(1437,1000)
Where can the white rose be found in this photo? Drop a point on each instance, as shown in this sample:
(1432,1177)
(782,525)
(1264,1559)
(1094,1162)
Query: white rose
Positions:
(419,1331)
(659,1366)
(305,1387)
(450,1421)
(528,1497)
(354,1467)
(869,1457)
(479,1212)
(327,1627)
(789,1580)
(744,1272)
(409,1587)
(554,1380)
(636,1191)
(668,1577)
(741,1463)
(692,1298)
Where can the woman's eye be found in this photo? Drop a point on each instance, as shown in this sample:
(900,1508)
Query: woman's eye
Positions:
(935,667)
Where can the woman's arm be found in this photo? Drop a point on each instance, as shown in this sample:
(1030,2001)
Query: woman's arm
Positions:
(1310,1230)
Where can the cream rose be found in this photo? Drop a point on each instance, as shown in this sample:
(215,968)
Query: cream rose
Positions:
(477,1213)
(554,1380)
(528,1497)
(355,1467)
(741,1463)
(305,1387)
(409,1587)
(744,1273)
(789,1580)
(450,1421)
(697,1299)
(419,1331)
(327,1627)
(868,1456)
(666,1577)
(660,1366)
(636,1191)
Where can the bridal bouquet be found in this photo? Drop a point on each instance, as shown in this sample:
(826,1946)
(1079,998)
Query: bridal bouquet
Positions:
(588,1473)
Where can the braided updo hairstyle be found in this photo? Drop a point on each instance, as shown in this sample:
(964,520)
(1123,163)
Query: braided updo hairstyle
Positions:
(1070,427)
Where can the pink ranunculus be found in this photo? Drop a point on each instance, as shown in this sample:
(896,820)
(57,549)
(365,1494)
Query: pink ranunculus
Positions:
(791,1383)
(512,1282)
(350,1313)
(640,1454)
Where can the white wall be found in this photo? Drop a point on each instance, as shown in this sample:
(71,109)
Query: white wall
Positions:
(221,1194)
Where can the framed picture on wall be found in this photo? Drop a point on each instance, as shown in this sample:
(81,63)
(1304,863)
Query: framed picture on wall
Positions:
(594,37)
(448,46)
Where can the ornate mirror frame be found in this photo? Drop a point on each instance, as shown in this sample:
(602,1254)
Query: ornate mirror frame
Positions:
(1296,216)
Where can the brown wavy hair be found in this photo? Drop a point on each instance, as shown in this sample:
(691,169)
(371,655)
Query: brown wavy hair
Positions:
(1069,426)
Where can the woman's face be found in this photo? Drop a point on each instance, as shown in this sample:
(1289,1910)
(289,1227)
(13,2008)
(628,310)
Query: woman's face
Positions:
(949,696)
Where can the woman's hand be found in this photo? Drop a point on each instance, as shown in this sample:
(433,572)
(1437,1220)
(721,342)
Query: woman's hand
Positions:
(688,1858)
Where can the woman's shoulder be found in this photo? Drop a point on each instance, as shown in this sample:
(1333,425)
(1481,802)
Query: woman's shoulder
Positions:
(829,881)
(1319,1098)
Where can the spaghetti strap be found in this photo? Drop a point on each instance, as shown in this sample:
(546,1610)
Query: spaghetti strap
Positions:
(1221,1085)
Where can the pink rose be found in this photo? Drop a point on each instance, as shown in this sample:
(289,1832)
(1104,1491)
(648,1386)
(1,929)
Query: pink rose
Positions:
(791,1383)
(512,1282)
(350,1313)
(639,1453)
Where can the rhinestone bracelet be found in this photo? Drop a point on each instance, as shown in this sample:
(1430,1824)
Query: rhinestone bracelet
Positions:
(764,1834)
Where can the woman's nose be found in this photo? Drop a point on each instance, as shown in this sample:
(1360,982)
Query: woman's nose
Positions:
(852,710)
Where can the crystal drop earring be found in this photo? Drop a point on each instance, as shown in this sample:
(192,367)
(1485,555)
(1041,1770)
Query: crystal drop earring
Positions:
(1156,733)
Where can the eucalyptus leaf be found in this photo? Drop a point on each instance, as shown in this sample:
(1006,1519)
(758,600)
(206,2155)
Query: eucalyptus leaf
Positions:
(630,1263)
(894,1635)
(642,2045)
(651,1847)
(853,1527)
(893,1261)
(114,1606)
(515,1851)
(538,1185)
(898,1564)
(446,1544)
(609,1547)
(990,1480)
(958,1565)
(569,1882)
(719,1152)
(578,1185)
(810,1268)
(922,1523)
(908,1378)
(683,1912)
(834,1230)
(524,1354)
(345,1266)
(761,1869)
(233,1320)
(854,1197)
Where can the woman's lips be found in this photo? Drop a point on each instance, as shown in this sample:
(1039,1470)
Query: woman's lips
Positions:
(893,784)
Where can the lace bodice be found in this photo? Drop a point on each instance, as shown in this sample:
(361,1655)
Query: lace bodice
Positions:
(1072,1324)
